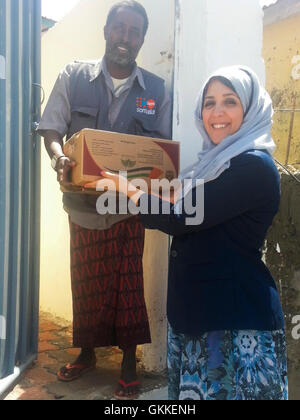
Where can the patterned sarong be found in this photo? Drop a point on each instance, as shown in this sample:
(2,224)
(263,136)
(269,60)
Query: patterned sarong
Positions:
(228,365)
(107,286)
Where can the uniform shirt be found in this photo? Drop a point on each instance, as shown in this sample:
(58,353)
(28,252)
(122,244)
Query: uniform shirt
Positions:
(57,114)
(57,117)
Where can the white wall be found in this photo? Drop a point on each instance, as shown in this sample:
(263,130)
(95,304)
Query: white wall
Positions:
(157,55)
(211,34)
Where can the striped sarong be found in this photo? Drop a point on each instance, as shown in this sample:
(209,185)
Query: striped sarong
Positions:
(107,286)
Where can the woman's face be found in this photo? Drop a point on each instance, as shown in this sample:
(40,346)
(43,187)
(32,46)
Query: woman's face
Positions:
(223,113)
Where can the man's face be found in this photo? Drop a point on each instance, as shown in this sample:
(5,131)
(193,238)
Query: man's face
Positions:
(124,37)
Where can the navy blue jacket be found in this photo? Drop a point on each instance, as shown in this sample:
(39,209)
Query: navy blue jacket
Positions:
(217,279)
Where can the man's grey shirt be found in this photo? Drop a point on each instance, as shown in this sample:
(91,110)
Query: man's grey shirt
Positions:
(57,117)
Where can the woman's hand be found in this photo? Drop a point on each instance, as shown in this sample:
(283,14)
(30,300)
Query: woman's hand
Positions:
(123,186)
(119,184)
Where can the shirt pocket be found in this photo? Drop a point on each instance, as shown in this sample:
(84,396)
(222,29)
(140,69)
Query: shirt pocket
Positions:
(83,117)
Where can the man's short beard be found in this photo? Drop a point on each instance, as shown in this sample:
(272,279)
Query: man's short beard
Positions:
(120,61)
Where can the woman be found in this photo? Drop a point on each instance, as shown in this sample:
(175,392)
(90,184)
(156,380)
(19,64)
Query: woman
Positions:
(226,335)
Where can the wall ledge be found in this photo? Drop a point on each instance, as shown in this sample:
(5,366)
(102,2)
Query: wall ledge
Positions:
(281,10)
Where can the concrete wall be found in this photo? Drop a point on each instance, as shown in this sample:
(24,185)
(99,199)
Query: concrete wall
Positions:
(282,56)
(208,34)
(282,257)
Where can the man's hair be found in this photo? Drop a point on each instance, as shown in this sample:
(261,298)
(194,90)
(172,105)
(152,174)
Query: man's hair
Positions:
(132,5)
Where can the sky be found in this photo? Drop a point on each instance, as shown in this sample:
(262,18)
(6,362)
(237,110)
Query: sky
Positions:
(56,9)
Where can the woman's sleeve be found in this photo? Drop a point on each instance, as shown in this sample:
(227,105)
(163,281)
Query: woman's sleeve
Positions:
(240,189)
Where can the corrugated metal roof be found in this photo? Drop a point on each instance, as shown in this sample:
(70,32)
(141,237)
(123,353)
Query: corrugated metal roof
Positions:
(47,23)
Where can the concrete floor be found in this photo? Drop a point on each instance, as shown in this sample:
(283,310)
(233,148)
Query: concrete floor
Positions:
(55,350)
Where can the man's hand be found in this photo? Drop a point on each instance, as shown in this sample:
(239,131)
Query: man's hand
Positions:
(64,167)
(54,146)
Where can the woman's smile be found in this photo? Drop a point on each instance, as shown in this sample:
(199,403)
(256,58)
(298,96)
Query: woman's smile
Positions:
(222,113)
(219,126)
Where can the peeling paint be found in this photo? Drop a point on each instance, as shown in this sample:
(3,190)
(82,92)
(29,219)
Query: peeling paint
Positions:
(281,53)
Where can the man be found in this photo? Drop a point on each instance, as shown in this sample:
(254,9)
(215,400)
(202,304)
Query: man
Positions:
(106,251)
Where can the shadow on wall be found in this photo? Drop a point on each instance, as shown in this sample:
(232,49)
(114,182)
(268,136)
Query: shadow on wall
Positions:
(283,259)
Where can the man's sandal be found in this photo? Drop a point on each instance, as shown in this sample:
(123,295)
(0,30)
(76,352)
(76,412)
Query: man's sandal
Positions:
(120,394)
(70,373)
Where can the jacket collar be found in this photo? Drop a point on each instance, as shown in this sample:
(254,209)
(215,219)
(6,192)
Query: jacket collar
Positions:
(100,67)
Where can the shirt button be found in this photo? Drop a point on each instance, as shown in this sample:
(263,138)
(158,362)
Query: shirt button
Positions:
(174,254)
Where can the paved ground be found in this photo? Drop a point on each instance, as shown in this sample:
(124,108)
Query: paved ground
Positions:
(55,350)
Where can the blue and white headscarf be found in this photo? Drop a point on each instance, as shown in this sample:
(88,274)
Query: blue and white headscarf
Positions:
(255,132)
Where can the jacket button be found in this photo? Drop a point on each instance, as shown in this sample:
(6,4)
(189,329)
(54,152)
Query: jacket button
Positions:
(174,254)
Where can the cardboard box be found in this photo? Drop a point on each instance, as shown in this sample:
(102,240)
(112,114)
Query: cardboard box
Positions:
(142,157)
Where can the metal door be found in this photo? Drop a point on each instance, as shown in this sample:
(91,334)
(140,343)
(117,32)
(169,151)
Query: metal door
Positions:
(20,32)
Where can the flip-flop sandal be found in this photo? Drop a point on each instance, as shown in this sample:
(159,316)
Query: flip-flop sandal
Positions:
(125,386)
(70,373)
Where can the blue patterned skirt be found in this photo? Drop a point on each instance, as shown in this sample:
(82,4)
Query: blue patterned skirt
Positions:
(228,365)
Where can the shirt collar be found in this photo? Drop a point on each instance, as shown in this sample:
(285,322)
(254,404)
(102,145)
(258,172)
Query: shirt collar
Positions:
(100,67)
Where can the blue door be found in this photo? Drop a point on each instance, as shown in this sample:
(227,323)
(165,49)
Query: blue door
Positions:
(20,33)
